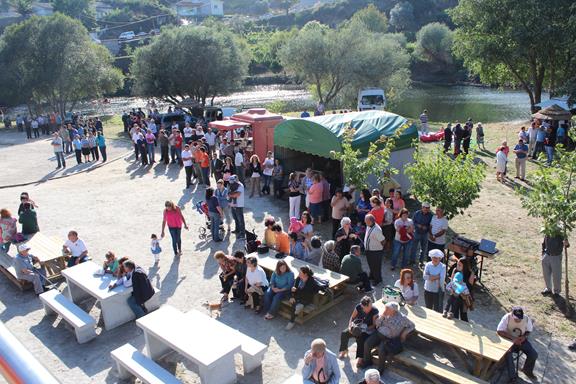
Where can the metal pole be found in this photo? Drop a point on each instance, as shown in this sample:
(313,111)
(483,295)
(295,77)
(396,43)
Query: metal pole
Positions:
(18,365)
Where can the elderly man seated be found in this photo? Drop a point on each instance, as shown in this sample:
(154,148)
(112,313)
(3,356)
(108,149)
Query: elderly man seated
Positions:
(393,328)
(371,376)
(320,365)
(25,269)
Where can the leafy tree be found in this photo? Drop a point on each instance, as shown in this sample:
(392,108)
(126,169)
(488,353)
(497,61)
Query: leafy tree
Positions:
(283,4)
(553,198)
(444,182)
(23,7)
(77,9)
(370,19)
(402,16)
(59,71)
(336,62)
(434,44)
(357,166)
(521,43)
(199,62)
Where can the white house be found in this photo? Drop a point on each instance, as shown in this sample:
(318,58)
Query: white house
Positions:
(199,8)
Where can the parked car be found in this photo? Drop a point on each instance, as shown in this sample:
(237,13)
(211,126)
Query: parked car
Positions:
(129,35)
(141,34)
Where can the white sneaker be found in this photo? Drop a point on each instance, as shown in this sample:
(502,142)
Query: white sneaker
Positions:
(289,326)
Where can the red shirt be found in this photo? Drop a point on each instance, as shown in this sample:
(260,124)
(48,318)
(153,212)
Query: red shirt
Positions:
(178,141)
(378,214)
(204,160)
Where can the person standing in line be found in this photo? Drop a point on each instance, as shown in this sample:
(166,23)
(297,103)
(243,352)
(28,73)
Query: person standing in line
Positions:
(58,150)
(467,135)
(267,169)
(552,249)
(458,135)
(93,147)
(134,135)
(421,219)
(521,151)
(314,197)
(101,141)
(187,161)
(210,137)
(205,165)
(339,206)
(150,146)
(549,144)
(77,144)
(172,143)
(539,145)
(480,136)
(175,219)
(188,131)
(66,142)
(294,197)
(374,242)
(164,147)
(236,193)
(403,239)
(239,162)
(35,128)
(447,138)
(438,228)
(28,127)
(215,212)
(254,172)
(424,122)
(277,179)
(221,194)
(434,281)
(532,131)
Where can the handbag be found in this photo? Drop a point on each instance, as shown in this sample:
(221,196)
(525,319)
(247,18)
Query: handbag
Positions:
(356,328)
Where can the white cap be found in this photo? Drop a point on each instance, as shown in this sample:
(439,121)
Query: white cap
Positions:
(23,247)
(436,253)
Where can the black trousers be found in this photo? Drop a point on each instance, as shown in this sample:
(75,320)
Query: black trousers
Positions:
(188,170)
(386,347)
(226,284)
(363,281)
(335,226)
(103,153)
(136,150)
(164,154)
(78,153)
(36,132)
(345,337)
(374,259)
(433,300)
(94,152)
(28,133)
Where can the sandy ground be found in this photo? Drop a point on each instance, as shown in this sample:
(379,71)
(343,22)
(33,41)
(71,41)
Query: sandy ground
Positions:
(117,207)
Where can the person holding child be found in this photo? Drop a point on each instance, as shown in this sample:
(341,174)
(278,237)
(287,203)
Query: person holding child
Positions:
(455,288)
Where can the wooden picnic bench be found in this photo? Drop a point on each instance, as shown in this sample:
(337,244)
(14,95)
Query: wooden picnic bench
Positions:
(322,301)
(56,303)
(131,361)
(168,329)
(484,346)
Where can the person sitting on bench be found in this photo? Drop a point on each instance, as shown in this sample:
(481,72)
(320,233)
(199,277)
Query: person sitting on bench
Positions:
(393,328)
(516,326)
(303,292)
(142,289)
(352,267)
(25,269)
(320,365)
(76,248)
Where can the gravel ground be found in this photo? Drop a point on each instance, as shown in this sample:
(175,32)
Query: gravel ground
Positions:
(116,207)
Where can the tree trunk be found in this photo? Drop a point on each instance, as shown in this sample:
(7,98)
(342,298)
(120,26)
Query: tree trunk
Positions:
(567,282)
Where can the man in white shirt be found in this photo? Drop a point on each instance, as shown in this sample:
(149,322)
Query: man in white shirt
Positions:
(187,160)
(438,228)
(374,242)
(58,150)
(34,124)
(236,193)
(239,163)
(135,134)
(152,127)
(188,132)
(516,326)
(210,137)
(75,248)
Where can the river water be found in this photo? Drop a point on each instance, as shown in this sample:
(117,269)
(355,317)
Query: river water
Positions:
(444,103)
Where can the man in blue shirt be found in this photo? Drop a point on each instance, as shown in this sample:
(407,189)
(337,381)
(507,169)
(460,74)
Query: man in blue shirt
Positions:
(521,151)
(421,219)
(540,136)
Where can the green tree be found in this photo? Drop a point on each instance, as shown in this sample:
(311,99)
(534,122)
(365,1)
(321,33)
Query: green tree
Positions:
(553,199)
(60,72)
(336,62)
(402,16)
(77,9)
(370,19)
(452,184)
(199,62)
(434,44)
(23,7)
(357,166)
(521,43)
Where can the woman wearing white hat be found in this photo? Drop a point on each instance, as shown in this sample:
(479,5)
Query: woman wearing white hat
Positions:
(434,278)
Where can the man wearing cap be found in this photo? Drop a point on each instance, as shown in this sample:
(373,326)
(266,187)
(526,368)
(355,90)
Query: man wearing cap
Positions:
(25,269)
(437,232)
(421,219)
(516,326)
(237,204)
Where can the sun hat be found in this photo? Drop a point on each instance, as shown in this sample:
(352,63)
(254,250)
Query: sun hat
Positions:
(23,247)
(436,253)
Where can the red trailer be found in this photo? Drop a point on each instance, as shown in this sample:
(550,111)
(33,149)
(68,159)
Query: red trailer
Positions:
(263,123)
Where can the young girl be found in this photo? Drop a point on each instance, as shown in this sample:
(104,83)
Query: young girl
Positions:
(155,248)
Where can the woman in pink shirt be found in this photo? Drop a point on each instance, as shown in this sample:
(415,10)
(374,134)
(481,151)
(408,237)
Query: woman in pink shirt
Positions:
(174,218)
(150,143)
(315,193)
(397,203)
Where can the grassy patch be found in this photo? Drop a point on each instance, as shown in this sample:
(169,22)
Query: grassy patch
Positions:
(113,127)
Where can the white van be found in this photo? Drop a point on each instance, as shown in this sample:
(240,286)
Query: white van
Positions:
(371,98)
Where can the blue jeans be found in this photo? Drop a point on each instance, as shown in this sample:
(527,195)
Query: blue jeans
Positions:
(405,252)
(206,175)
(272,300)
(549,153)
(175,233)
(238,216)
(139,310)
(215,222)
(151,150)
(531,356)
(420,239)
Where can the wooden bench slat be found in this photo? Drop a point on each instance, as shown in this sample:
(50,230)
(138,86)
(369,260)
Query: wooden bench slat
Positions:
(141,366)
(436,368)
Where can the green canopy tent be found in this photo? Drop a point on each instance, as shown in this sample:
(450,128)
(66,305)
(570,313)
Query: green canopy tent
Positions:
(302,143)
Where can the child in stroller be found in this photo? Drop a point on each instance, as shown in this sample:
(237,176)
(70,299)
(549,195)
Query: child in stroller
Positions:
(204,231)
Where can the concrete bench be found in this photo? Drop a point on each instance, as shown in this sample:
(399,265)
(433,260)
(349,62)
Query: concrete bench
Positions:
(252,352)
(56,303)
(130,361)
(432,367)
(7,268)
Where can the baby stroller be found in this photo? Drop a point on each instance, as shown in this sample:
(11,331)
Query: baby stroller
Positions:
(204,231)
(252,242)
